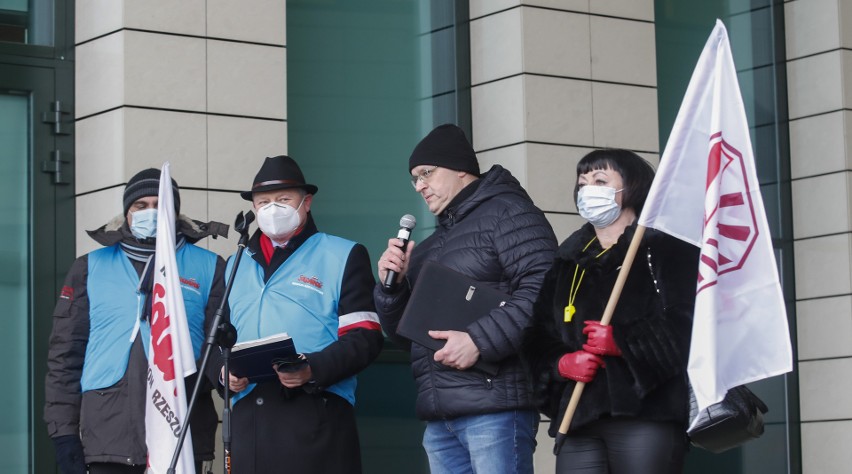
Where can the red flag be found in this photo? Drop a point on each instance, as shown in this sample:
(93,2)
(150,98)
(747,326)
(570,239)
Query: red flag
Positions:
(706,192)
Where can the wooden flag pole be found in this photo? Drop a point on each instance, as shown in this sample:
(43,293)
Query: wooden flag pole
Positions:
(605,320)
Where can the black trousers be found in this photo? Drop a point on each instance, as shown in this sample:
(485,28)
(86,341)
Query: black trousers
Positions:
(114,468)
(276,430)
(624,446)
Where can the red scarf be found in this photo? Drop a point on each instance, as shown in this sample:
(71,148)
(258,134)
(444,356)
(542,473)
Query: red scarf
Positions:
(266,247)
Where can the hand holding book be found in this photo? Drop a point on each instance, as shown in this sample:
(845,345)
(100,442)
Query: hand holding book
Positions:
(256,359)
(295,372)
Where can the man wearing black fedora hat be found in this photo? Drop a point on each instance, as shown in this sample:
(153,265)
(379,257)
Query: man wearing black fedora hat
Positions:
(317,288)
(97,364)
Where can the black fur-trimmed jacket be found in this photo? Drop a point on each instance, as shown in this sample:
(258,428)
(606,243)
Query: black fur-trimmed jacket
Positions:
(493,233)
(652,326)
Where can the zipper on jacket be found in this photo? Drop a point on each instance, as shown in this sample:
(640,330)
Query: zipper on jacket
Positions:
(488,383)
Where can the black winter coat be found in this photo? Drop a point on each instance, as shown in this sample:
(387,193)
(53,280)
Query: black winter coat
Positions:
(277,429)
(497,236)
(111,420)
(652,326)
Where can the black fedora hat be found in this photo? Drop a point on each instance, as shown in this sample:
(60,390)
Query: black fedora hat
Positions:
(278,172)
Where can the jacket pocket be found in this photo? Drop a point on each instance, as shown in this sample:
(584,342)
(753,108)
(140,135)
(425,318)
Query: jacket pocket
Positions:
(105,422)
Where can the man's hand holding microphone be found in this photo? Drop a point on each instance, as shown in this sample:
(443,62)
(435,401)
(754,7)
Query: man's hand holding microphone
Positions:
(393,264)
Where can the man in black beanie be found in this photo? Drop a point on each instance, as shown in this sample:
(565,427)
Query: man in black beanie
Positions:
(97,365)
(146,183)
(490,230)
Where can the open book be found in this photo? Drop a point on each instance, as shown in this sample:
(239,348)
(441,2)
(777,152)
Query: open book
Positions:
(254,359)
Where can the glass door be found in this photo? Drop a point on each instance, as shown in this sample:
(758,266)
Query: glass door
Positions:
(35,203)
(14,280)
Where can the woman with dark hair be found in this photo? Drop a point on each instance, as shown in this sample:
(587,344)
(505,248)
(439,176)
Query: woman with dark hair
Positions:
(633,414)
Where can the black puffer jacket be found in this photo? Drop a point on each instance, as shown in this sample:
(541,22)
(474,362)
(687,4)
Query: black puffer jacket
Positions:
(651,324)
(495,235)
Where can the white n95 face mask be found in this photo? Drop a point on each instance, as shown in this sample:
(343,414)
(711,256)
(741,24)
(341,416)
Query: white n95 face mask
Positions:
(144,224)
(597,205)
(277,220)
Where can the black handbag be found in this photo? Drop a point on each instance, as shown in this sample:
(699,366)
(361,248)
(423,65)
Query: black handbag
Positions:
(730,423)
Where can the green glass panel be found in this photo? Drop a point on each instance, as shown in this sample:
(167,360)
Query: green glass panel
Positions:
(352,78)
(361,92)
(391,435)
(14,5)
(365,82)
(27,21)
(14,282)
(682,28)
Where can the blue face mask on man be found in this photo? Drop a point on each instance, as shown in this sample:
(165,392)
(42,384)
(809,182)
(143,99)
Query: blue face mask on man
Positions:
(144,224)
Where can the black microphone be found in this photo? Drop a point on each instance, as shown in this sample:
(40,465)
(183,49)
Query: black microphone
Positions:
(241,225)
(406,224)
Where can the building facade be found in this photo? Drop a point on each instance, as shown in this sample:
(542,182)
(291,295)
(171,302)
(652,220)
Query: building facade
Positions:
(94,90)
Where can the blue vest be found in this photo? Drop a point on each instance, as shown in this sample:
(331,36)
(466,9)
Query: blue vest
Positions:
(115,304)
(301,298)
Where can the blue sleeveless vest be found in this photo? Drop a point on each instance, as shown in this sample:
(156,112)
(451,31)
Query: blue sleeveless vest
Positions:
(301,298)
(114,306)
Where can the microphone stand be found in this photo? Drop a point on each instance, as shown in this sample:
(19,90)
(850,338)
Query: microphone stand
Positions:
(223,334)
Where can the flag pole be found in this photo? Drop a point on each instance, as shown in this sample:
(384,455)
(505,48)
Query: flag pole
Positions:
(605,320)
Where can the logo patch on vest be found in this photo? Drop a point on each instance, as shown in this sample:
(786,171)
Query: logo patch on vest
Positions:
(313,283)
(67,293)
(190,284)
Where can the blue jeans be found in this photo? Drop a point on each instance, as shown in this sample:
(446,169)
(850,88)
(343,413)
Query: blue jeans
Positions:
(486,444)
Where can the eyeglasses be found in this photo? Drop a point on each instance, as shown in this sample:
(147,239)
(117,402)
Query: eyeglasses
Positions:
(422,177)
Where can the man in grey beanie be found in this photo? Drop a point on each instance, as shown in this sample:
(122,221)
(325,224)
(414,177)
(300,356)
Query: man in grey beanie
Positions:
(490,230)
(97,367)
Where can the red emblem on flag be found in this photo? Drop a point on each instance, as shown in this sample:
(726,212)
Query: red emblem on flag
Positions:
(730,224)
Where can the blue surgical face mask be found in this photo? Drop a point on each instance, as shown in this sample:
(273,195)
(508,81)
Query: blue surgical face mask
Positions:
(144,224)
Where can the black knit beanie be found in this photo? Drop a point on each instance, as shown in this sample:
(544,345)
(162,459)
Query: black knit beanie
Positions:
(147,183)
(445,146)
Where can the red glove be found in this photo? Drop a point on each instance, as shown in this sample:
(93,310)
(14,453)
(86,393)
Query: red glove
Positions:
(580,366)
(600,340)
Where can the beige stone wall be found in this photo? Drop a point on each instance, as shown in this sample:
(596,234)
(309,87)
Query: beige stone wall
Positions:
(198,83)
(818,38)
(552,80)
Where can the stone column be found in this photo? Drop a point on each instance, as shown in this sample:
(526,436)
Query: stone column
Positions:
(819,63)
(553,80)
(198,83)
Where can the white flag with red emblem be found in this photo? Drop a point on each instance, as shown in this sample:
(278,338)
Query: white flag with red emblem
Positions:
(170,355)
(706,193)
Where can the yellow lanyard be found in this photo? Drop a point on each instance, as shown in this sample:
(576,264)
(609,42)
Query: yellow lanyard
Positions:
(572,294)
